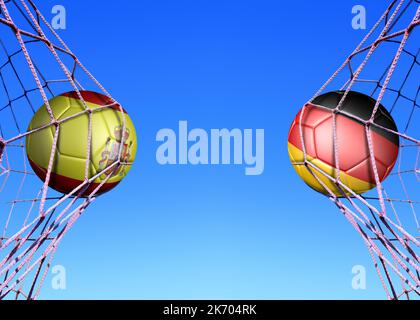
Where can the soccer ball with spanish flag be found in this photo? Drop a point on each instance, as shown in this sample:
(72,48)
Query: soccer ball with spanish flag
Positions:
(113,142)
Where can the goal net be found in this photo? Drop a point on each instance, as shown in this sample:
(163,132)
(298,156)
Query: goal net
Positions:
(385,66)
(35,66)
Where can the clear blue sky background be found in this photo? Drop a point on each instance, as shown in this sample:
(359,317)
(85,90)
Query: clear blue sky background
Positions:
(185,232)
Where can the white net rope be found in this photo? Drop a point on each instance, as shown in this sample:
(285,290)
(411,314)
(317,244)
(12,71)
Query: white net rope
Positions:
(35,66)
(385,66)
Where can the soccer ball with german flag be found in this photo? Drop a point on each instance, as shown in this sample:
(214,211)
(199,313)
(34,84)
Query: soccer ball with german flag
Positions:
(314,125)
(113,142)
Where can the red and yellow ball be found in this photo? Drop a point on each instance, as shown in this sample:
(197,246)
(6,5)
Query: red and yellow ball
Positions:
(356,170)
(111,142)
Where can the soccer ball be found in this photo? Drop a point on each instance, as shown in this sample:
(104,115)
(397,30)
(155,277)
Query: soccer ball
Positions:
(356,170)
(110,138)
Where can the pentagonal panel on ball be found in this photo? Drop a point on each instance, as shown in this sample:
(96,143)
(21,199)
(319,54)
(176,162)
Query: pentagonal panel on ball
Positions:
(364,170)
(351,142)
(308,139)
(313,116)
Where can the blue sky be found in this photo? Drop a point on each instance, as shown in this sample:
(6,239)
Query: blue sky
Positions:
(210,232)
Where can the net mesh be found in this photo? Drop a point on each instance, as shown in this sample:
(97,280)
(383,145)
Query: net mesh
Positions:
(385,66)
(35,65)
